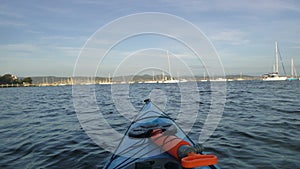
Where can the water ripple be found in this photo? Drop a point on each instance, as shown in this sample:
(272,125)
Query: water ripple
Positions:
(259,129)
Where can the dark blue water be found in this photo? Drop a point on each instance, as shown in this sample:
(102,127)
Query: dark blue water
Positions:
(260,126)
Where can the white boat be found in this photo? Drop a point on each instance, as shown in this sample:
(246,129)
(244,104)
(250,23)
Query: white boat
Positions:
(107,80)
(293,72)
(241,77)
(204,79)
(151,81)
(171,79)
(183,81)
(218,80)
(274,76)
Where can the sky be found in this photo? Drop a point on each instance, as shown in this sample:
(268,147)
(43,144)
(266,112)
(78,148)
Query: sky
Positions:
(45,38)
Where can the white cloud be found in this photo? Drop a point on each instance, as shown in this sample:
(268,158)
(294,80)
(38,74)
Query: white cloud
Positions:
(235,5)
(12,23)
(6,12)
(235,37)
(18,47)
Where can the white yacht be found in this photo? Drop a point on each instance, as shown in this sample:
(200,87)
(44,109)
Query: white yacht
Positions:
(274,76)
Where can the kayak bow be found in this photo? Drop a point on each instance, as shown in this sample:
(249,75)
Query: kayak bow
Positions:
(155,141)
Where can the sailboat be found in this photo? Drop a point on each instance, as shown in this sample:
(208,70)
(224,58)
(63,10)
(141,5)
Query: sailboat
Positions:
(204,79)
(241,77)
(293,72)
(153,79)
(107,80)
(275,75)
(171,80)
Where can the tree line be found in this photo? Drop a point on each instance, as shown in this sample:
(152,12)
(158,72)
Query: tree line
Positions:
(11,79)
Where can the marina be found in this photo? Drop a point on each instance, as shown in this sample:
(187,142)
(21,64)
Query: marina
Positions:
(109,81)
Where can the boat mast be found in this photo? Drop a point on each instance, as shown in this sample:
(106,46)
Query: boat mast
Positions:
(276,61)
(292,67)
(152,75)
(169,66)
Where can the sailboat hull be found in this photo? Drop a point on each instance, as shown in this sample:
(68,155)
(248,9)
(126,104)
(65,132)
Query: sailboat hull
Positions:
(292,79)
(275,79)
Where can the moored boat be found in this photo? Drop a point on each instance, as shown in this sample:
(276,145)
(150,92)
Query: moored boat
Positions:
(274,76)
(293,72)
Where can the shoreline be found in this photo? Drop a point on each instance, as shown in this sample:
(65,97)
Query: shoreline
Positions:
(122,82)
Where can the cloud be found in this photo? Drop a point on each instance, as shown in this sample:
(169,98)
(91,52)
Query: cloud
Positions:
(235,37)
(27,48)
(56,10)
(63,38)
(235,5)
(37,51)
(5,11)
(93,2)
(12,24)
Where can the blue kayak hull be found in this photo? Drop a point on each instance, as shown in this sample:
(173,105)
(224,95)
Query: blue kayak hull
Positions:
(142,153)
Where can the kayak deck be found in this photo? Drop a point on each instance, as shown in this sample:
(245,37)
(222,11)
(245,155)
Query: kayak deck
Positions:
(137,151)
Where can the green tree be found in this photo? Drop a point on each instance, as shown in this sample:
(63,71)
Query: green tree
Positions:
(27,80)
(7,79)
